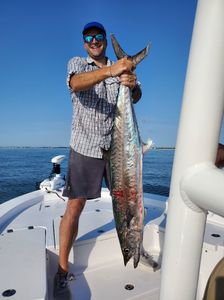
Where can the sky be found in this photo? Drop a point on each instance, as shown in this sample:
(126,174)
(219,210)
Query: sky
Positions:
(38,37)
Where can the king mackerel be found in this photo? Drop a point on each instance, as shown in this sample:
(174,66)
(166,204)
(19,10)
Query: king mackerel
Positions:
(125,159)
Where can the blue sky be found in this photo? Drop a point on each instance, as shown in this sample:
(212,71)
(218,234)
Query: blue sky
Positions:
(38,37)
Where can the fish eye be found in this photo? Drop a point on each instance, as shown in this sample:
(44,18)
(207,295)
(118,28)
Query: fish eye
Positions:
(126,250)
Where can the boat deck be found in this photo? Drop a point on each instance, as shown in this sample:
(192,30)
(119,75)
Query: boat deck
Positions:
(100,273)
(95,258)
(29,249)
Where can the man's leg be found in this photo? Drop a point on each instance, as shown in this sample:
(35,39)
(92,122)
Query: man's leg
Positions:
(69,230)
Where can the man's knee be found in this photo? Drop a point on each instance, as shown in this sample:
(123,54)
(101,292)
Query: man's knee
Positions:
(75,206)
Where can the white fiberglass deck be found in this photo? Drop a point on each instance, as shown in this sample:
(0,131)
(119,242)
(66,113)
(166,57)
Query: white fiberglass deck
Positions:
(29,250)
(95,259)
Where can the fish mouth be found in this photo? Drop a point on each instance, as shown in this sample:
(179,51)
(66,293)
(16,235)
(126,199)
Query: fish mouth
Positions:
(126,255)
(136,261)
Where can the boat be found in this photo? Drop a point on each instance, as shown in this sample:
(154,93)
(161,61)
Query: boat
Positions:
(184,232)
(29,244)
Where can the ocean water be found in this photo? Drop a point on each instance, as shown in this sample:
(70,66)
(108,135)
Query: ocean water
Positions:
(22,168)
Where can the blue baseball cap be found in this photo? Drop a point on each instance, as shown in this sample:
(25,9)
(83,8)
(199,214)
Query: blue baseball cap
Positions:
(93,25)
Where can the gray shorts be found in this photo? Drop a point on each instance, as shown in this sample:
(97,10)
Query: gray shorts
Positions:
(85,176)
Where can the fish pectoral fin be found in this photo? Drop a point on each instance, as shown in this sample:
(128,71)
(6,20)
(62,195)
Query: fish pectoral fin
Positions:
(147,146)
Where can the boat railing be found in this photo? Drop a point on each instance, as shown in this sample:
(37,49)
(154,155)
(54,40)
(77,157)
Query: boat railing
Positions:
(196,185)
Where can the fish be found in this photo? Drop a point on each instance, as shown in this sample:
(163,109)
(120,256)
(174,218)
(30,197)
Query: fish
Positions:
(125,165)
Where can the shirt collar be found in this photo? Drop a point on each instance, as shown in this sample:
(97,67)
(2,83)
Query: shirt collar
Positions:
(91,61)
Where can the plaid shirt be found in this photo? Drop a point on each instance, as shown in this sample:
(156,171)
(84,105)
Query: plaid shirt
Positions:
(93,110)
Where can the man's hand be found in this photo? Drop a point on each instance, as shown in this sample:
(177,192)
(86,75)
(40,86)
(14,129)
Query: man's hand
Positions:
(128,79)
(124,68)
(123,65)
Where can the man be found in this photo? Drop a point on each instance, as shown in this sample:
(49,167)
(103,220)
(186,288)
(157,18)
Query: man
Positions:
(94,84)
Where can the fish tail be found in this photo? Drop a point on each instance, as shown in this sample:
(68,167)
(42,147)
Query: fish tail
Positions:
(120,52)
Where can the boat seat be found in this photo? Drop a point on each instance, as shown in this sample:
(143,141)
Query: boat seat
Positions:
(215,286)
(23,264)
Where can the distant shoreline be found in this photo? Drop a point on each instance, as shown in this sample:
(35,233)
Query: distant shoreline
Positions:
(65,147)
(32,147)
(165,148)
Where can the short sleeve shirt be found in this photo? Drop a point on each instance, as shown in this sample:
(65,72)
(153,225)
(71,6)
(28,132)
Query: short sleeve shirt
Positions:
(93,110)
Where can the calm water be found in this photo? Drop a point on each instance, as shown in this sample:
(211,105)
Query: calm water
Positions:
(21,168)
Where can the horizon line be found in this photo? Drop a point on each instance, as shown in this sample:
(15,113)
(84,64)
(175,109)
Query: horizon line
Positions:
(159,147)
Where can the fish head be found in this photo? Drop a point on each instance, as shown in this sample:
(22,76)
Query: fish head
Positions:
(129,251)
(127,254)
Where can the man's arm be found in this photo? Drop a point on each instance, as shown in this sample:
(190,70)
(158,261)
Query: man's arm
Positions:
(86,80)
(136,93)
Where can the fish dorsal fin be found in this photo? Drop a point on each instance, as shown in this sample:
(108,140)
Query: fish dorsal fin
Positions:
(120,52)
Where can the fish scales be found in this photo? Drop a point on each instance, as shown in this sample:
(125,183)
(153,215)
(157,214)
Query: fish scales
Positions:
(125,161)
(126,177)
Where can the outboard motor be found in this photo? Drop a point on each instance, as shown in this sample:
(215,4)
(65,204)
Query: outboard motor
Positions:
(56,161)
(55,181)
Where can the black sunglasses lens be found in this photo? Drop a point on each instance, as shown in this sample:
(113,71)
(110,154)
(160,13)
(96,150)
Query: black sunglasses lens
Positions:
(88,38)
(98,37)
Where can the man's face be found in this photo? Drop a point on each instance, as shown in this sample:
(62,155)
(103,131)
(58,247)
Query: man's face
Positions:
(96,49)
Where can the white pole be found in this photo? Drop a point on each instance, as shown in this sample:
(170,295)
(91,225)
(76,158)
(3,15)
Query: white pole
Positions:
(203,186)
(197,141)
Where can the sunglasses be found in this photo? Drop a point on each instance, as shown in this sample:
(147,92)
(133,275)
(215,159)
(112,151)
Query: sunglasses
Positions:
(98,37)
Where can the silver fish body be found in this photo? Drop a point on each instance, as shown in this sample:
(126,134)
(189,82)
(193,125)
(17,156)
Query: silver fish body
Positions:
(126,178)
(125,161)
